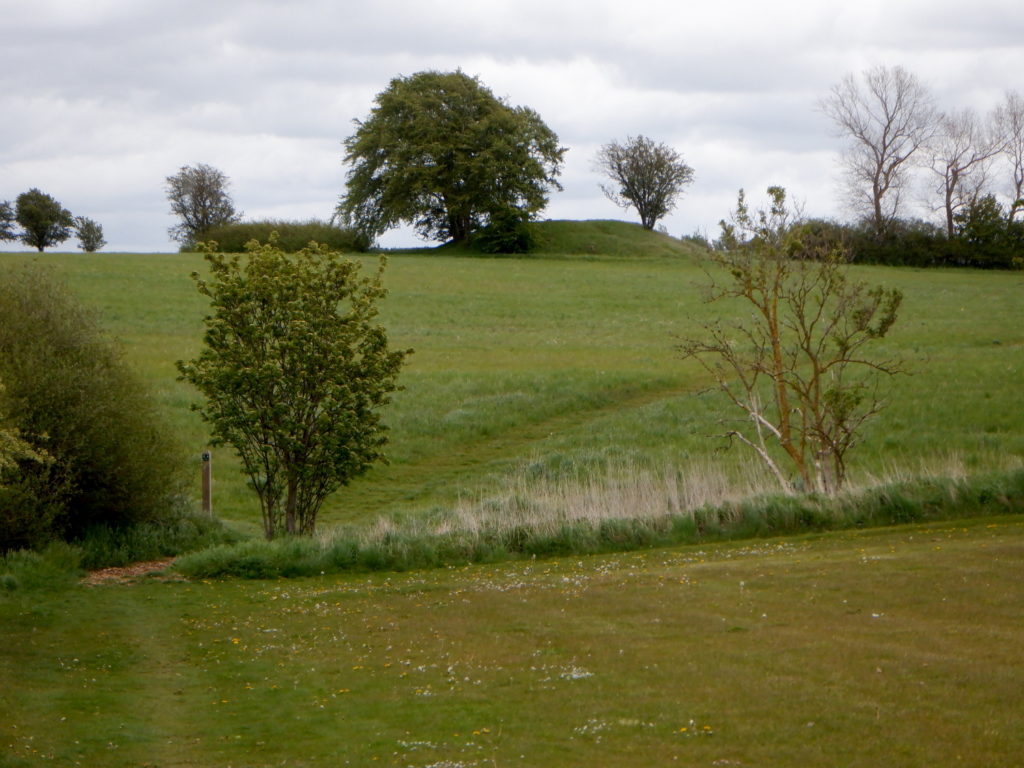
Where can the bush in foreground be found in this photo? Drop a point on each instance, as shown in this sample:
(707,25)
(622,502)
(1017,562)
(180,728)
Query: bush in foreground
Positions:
(69,395)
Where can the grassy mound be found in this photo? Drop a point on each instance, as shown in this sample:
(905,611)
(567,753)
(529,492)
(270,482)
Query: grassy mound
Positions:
(621,239)
(595,238)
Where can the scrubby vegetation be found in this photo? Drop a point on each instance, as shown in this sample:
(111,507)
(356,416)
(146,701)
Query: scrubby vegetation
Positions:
(102,456)
(292,236)
(637,511)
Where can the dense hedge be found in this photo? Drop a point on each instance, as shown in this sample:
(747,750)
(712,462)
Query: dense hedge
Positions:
(984,238)
(292,236)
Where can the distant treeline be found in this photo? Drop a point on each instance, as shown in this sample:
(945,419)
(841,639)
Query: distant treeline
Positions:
(985,237)
(292,236)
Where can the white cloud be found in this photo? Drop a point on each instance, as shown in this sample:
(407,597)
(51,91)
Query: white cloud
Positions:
(103,100)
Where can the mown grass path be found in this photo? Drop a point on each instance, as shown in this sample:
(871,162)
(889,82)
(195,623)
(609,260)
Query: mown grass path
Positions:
(896,647)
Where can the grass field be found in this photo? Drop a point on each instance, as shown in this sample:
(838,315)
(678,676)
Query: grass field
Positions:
(564,367)
(536,377)
(896,647)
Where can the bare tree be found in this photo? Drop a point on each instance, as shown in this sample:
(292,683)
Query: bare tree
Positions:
(646,175)
(886,120)
(797,370)
(1009,121)
(960,154)
(199,197)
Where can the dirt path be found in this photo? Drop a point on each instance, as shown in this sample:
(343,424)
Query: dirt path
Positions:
(128,573)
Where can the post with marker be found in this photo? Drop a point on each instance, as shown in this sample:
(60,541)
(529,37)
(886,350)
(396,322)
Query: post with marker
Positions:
(207,484)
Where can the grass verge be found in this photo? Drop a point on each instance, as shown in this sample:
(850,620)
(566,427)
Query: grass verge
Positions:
(588,520)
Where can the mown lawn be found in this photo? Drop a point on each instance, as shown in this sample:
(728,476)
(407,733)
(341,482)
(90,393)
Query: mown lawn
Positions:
(896,647)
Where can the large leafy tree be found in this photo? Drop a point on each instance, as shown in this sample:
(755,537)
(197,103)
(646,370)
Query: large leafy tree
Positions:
(645,175)
(44,221)
(199,197)
(441,152)
(294,371)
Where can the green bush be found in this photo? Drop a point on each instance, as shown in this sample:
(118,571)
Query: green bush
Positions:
(56,567)
(70,396)
(508,232)
(292,236)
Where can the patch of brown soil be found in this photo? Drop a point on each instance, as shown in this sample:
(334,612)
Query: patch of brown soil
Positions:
(128,573)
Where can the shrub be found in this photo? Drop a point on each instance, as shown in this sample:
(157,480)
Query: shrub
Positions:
(508,232)
(292,236)
(71,397)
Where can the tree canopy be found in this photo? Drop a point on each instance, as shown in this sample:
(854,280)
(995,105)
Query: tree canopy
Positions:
(646,175)
(440,152)
(199,197)
(44,221)
(294,371)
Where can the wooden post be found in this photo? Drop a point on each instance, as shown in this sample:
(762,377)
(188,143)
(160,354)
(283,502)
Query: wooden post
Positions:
(207,484)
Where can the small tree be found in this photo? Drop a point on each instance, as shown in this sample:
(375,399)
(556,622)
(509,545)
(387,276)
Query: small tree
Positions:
(647,176)
(90,234)
(798,369)
(294,371)
(199,197)
(7,221)
(45,221)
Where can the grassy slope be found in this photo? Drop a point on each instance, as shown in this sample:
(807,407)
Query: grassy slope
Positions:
(596,238)
(890,647)
(562,365)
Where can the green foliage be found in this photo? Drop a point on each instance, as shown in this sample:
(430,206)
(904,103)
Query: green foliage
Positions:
(797,369)
(410,547)
(89,233)
(645,175)
(507,232)
(441,152)
(199,197)
(72,399)
(56,567)
(292,236)
(294,371)
(991,238)
(105,547)
(7,221)
(45,221)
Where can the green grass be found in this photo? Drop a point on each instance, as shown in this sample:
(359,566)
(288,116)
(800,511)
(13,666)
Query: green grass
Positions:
(885,647)
(566,365)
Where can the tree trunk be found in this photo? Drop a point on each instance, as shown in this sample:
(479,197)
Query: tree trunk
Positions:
(290,526)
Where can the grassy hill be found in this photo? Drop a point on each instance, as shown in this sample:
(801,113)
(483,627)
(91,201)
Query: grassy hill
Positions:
(601,238)
(533,373)
(547,381)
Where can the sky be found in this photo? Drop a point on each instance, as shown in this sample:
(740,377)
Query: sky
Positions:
(101,101)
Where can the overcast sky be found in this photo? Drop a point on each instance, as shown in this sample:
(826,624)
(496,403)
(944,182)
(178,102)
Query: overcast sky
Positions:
(102,100)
